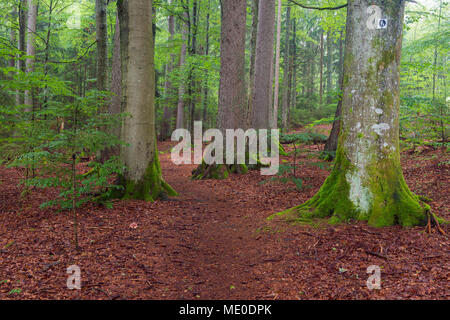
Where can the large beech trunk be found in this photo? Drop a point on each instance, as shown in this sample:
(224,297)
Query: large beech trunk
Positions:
(367,181)
(142,179)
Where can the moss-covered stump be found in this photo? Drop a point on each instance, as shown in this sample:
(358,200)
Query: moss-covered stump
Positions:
(217,171)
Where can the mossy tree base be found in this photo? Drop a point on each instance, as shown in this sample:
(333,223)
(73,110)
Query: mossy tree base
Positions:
(150,188)
(385,201)
(217,171)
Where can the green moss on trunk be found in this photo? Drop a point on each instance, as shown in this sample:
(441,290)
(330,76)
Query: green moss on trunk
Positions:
(390,201)
(151,187)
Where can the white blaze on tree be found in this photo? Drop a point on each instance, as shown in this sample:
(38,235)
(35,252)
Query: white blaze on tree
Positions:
(367,182)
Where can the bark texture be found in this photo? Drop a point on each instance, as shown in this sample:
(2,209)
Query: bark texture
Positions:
(367,181)
(277,67)
(102,43)
(142,179)
(182,89)
(31,48)
(287,72)
(263,82)
(232,91)
(168,90)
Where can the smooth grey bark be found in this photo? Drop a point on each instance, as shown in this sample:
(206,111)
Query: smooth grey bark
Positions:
(277,67)
(321,69)
(367,182)
(31,48)
(294,71)
(138,81)
(287,71)
(263,83)
(181,88)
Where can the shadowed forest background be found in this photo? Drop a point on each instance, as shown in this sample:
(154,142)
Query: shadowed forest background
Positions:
(91,91)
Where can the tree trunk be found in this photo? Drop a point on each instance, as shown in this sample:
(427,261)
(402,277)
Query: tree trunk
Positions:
(294,71)
(232,93)
(251,80)
(367,181)
(332,141)
(277,67)
(31,49)
(21,44)
(287,71)
(262,92)
(142,179)
(116,89)
(12,36)
(321,69)
(329,71)
(205,86)
(181,88)
(102,44)
(232,67)
(168,90)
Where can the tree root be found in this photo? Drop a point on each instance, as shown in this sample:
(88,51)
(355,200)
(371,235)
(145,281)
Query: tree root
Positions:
(217,171)
(433,222)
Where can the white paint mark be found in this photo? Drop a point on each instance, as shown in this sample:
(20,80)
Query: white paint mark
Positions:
(378,111)
(380,128)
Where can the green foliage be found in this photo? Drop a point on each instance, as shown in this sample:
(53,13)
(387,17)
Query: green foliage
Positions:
(54,155)
(423,120)
(51,140)
(286,174)
(303,137)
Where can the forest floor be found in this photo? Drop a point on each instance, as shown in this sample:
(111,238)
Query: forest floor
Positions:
(214,242)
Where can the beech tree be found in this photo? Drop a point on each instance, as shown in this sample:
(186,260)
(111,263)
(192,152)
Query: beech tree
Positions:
(31,48)
(142,179)
(367,182)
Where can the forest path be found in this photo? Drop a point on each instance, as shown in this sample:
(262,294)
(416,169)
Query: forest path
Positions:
(216,247)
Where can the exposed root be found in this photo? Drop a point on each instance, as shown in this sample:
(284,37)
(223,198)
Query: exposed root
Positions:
(217,171)
(433,222)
